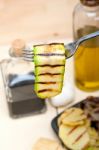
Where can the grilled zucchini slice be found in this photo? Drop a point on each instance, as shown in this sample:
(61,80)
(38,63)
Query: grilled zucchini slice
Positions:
(49,63)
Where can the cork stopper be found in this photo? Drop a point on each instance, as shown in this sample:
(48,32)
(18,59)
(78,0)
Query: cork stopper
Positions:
(17,46)
(90,3)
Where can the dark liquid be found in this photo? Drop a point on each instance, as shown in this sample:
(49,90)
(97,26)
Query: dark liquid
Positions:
(23,100)
(20,80)
(87,61)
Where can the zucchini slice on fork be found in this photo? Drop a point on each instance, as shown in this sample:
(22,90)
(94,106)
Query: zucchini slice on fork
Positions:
(49,60)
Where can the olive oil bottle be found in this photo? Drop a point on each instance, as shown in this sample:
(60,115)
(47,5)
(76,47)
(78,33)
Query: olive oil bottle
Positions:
(86,59)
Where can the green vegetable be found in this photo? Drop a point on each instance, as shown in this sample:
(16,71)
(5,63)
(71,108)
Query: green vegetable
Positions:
(49,63)
(90,148)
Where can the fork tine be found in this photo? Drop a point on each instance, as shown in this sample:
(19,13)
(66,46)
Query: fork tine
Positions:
(28,59)
(27,52)
(27,55)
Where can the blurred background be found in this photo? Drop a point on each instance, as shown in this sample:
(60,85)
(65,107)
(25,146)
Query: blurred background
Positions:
(35,19)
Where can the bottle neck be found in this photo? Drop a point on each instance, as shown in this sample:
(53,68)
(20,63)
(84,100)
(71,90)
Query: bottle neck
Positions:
(90,9)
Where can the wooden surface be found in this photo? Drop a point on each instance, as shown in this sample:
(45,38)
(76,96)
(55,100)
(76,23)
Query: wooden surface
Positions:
(35,19)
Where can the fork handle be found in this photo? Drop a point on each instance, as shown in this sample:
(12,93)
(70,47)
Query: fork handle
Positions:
(89,36)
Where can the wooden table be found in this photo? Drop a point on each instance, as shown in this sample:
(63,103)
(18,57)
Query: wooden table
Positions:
(35,19)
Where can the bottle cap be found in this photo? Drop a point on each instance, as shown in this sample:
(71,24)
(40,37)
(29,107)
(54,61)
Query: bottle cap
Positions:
(90,3)
(17,46)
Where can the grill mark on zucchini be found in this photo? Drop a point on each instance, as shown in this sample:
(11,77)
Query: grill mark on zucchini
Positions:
(46,82)
(47,65)
(50,74)
(49,54)
(49,44)
(47,90)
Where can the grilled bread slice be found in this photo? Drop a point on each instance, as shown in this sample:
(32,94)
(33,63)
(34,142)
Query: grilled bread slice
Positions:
(74,138)
(49,69)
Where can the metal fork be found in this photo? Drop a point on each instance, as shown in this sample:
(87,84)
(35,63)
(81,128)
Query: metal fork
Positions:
(70,48)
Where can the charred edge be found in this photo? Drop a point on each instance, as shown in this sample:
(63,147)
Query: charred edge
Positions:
(45,82)
(50,74)
(72,130)
(49,54)
(47,90)
(49,44)
(56,43)
(79,137)
(52,66)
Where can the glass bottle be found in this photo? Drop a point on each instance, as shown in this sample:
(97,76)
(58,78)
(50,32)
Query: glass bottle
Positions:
(21,97)
(86,59)
(19,71)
